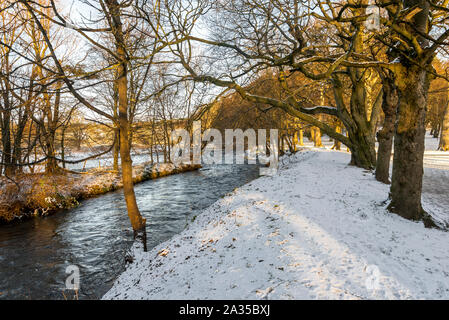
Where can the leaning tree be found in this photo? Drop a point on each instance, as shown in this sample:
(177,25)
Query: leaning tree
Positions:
(290,38)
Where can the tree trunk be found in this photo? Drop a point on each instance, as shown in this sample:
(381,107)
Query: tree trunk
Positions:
(444,137)
(385,135)
(301,137)
(363,152)
(50,133)
(406,187)
(282,144)
(116,149)
(6,139)
(6,135)
(436,131)
(51,165)
(63,149)
(355,122)
(17,153)
(295,141)
(412,81)
(116,130)
(317,137)
(337,144)
(137,221)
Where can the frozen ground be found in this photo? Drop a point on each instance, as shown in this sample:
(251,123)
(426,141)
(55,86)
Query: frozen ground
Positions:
(318,229)
(436,180)
(436,177)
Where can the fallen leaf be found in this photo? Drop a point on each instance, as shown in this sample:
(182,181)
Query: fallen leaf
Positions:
(163,252)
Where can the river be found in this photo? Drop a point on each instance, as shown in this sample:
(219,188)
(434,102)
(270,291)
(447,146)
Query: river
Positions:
(95,236)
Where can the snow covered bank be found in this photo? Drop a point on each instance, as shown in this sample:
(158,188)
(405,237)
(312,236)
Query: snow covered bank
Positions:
(319,229)
(40,194)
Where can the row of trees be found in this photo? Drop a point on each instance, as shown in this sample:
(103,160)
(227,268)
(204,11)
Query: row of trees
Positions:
(319,61)
(329,42)
(231,111)
(103,61)
(438,104)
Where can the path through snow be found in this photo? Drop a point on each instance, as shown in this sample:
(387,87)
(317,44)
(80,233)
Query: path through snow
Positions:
(319,229)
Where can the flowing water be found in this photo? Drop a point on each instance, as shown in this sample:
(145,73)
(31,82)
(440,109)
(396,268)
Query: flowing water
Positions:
(95,236)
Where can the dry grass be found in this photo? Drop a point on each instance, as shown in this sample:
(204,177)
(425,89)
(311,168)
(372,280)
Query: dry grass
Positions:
(36,194)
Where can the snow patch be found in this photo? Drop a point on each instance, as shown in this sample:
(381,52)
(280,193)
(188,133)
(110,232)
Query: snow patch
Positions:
(317,230)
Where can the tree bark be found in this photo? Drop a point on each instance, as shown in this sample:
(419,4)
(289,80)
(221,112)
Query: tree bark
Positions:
(406,188)
(386,134)
(51,165)
(412,82)
(359,130)
(317,137)
(337,144)
(116,130)
(295,141)
(50,133)
(363,153)
(436,131)
(444,137)
(6,140)
(137,221)
(18,137)
(6,135)
(301,137)
(116,149)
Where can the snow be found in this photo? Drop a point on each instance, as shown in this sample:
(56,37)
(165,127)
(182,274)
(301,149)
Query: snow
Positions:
(330,109)
(436,192)
(319,229)
(139,156)
(326,141)
(432,143)
(436,180)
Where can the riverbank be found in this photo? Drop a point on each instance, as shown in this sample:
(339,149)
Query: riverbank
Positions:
(319,229)
(40,194)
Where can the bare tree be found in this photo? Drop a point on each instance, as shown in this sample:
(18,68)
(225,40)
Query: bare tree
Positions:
(256,35)
(112,12)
